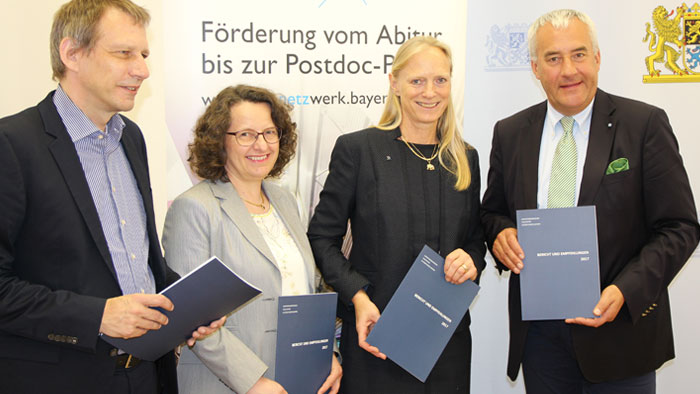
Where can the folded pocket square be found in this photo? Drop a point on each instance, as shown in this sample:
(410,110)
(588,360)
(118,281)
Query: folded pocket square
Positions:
(617,165)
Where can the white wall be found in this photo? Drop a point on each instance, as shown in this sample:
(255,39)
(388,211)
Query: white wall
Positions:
(25,77)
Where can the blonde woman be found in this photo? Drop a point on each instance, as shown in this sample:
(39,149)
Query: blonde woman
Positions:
(410,181)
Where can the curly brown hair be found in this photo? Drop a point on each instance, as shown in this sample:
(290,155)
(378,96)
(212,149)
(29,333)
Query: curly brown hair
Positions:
(207,151)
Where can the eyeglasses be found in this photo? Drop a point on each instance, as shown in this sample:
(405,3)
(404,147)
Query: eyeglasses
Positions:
(248,137)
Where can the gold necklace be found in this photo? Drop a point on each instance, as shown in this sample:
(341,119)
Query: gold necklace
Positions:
(415,151)
(262,201)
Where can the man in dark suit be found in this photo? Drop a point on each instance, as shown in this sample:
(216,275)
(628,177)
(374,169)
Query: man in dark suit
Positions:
(621,156)
(79,253)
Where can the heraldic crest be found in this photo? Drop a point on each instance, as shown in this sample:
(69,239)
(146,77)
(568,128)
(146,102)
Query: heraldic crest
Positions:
(674,41)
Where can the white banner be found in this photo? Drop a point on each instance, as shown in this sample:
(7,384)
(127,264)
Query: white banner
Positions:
(329,59)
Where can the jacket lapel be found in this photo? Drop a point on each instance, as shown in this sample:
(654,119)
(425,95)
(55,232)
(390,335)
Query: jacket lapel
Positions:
(388,159)
(386,154)
(132,155)
(529,157)
(600,142)
(133,149)
(66,157)
(233,207)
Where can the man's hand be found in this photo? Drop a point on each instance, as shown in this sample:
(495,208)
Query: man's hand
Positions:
(333,381)
(266,386)
(366,316)
(204,331)
(459,267)
(131,316)
(611,300)
(507,250)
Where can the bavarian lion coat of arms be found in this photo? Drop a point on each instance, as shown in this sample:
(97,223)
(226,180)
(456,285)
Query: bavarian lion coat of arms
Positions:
(674,42)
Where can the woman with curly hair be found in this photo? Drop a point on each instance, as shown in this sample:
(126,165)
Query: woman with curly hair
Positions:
(244,137)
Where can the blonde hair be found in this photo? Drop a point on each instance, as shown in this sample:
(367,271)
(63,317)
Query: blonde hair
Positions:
(78,19)
(451,148)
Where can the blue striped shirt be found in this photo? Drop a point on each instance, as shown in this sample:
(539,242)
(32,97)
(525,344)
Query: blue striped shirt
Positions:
(114,191)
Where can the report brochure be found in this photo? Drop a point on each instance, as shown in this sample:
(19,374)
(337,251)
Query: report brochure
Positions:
(422,315)
(207,293)
(560,278)
(305,336)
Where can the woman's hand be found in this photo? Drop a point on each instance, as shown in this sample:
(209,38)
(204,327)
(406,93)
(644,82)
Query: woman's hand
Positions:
(205,331)
(366,316)
(332,383)
(459,267)
(267,386)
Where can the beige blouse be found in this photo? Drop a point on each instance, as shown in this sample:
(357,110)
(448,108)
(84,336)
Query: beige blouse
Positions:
(286,252)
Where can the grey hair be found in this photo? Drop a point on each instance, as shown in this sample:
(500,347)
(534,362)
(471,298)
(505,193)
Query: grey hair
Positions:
(560,20)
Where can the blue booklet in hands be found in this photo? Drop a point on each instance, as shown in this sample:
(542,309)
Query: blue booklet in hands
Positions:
(422,315)
(305,336)
(560,277)
(207,293)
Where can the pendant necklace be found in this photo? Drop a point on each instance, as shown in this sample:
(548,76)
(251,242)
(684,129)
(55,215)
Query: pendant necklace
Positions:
(262,201)
(429,166)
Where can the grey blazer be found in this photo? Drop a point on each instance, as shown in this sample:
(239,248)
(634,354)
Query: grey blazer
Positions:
(211,219)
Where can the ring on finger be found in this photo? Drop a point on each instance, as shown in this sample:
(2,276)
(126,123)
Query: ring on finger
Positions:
(464,267)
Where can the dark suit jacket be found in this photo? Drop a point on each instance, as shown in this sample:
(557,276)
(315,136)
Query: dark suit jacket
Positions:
(369,190)
(647,227)
(55,268)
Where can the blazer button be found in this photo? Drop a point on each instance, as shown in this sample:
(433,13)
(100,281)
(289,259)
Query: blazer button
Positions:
(51,337)
(654,305)
(644,314)
(73,340)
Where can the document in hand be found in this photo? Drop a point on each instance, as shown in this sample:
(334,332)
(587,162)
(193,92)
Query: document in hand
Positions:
(422,315)
(560,277)
(205,294)
(305,335)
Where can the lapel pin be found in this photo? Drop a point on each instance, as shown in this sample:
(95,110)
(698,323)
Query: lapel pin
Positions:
(609,125)
(388,158)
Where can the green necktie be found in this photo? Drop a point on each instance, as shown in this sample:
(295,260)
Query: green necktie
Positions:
(562,182)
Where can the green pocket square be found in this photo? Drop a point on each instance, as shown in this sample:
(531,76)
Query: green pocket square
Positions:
(617,165)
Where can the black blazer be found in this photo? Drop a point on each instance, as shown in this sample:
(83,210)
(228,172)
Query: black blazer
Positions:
(55,268)
(365,185)
(647,227)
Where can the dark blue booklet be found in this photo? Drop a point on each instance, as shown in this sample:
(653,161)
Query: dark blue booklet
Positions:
(560,277)
(305,335)
(205,294)
(422,315)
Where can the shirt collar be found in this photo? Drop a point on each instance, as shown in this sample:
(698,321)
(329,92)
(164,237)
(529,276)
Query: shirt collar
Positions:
(553,117)
(77,123)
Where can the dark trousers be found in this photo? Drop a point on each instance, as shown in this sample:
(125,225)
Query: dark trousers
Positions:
(365,374)
(141,379)
(550,366)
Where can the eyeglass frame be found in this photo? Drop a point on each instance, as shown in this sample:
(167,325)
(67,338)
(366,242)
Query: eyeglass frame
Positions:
(257,134)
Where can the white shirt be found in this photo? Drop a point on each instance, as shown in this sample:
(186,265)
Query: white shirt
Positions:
(551,134)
